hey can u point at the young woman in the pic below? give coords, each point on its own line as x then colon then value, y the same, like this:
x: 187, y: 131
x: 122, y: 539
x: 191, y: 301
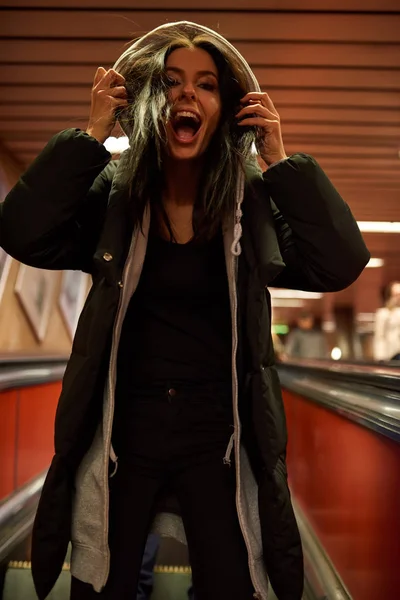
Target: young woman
x: 172, y: 367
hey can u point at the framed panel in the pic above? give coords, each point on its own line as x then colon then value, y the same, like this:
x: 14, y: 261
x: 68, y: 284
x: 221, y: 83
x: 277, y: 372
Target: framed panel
x: 73, y: 292
x: 5, y: 264
x: 35, y: 290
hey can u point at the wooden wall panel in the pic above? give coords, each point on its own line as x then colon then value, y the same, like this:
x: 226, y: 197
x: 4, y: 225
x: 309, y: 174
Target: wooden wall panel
x: 278, y: 76
x: 8, y: 419
x: 16, y: 334
x: 94, y: 52
x: 332, y: 69
x: 252, y: 25
x: 37, y: 406
x: 265, y: 5
x: 289, y: 96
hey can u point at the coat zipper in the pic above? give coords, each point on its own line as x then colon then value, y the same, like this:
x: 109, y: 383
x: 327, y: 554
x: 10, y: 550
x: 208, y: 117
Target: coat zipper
x: 111, y: 393
x: 233, y: 268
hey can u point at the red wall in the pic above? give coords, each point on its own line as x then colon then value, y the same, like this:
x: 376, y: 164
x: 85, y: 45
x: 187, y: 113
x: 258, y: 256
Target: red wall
x: 8, y: 420
x: 346, y: 479
x: 26, y: 434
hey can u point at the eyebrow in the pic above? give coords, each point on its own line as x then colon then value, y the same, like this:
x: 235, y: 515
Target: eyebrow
x: 199, y: 73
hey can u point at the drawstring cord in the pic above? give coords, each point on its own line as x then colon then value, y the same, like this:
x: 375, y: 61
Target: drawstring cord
x: 237, y: 230
x: 114, y: 460
x: 115, y: 469
x: 227, y: 457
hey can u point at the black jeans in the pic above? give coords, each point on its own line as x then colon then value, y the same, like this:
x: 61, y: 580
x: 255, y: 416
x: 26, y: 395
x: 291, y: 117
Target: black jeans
x: 175, y: 439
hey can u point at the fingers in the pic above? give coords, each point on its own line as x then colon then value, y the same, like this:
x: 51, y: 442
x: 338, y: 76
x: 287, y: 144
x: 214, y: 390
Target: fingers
x: 257, y: 109
x: 258, y: 122
x: 99, y: 75
x: 107, y: 79
x: 118, y: 92
x: 262, y: 98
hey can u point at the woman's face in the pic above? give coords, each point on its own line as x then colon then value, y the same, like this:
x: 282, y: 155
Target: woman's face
x: 195, y: 100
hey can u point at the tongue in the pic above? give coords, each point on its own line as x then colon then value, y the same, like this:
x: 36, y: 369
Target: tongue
x: 185, y: 132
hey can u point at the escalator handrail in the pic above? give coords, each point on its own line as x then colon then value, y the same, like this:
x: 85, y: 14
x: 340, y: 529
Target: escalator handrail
x: 17, y: 513
x: 383, y: 375
x: 17, y: 371
x: 374, y: 407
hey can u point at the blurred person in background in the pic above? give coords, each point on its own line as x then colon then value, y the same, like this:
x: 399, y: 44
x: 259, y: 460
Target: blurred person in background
x: 387, y: 326
x: 306, y: 340
x: 279, y: 347
x: 172, y: 379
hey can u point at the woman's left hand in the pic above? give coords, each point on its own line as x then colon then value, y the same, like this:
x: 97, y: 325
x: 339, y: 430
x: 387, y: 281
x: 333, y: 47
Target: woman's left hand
x: 260, y: 112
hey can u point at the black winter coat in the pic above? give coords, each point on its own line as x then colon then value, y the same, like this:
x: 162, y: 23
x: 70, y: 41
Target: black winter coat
x: 65, y: 213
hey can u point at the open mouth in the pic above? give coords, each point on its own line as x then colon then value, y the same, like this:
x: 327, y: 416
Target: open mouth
x: 185, y: 125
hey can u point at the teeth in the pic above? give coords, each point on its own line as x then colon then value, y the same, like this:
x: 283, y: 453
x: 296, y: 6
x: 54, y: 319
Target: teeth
x: 187, y: 114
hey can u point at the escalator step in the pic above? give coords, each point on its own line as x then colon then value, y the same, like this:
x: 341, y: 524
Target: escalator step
x: 170, y: 583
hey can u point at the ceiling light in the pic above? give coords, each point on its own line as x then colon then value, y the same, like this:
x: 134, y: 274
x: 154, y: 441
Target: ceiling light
x: 379, y: 226
x: 375, y: 262
x: 116, y: 145
x: 283, y: 293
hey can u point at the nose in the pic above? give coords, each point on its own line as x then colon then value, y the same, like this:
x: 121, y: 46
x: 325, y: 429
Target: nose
x: 188, y: 91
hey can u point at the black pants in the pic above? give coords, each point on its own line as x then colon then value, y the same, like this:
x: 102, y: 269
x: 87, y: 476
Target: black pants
x: 175, y: 439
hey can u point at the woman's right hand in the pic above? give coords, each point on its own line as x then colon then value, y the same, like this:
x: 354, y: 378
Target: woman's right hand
x: 108, y: 94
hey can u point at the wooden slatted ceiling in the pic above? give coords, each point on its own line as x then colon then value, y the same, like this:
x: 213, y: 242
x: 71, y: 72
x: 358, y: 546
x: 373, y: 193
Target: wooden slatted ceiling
x: 332, y: 68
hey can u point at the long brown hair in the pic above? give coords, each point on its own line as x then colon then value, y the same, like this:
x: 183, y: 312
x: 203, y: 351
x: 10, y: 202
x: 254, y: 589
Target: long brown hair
x: 148, y: 87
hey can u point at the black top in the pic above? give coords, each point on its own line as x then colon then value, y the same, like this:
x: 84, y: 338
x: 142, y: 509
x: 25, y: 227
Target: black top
x: 178, y: 322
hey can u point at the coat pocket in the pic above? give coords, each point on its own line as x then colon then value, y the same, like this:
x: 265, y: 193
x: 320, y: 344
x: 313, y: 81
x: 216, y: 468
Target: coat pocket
x: 268, y: 419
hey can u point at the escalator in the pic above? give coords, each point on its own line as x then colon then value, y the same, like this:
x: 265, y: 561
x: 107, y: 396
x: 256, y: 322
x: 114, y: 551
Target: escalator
x: 343, y: 461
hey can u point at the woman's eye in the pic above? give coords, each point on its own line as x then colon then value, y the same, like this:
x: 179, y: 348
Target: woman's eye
x: 172, y: 82
x: 210, y: 87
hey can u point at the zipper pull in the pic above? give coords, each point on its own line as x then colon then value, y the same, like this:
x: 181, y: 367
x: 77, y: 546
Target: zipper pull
x: 227, y: 457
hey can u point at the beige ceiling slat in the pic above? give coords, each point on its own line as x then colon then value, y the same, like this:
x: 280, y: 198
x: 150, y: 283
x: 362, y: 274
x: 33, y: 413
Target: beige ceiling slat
x: 370, y: 197
x: 329, y: 151
x: 339, y: 129
x: 377, y: 176
x: 44, y: 111
x: 252, y: 26
x: 45, y: 93
x: 277, y: 77
x: 321, y: 54
x: 35, y: 74
x: 27, y: 157
x: 382, y: 242
x: 288, y: 97
x: 329, y: 78
x: 43, y: 128
x: 64, y: 51
x: 368, y: 164
x: 25, y: 146
x: 354, y: 115
x: 341, y: 153
x: 332, y: 97
x: 302, y: 5
x: 261, y: 53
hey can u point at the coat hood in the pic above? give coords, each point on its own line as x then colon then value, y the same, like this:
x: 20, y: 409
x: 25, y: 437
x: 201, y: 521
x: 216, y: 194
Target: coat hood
x: 237, y: 61
x: 239, y: 66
